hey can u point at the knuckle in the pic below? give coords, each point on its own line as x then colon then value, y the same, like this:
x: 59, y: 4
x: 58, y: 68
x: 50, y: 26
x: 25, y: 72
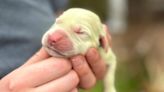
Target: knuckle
x: 16, y: 86
x: 78, y: 61
x: 81, y: 67
x: 83, y: 71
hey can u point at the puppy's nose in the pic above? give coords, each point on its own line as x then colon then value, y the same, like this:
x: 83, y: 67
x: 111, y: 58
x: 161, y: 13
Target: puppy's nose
x: 55, y: 37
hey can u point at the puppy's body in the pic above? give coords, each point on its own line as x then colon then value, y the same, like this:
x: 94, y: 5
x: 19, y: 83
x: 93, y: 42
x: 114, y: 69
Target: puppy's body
x: 74, y: 32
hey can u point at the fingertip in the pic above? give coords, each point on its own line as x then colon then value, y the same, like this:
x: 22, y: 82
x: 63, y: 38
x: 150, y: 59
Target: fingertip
x: 43, y: 53
x: 92, y: 56
x: 88, y: 82
x: 92, y: 52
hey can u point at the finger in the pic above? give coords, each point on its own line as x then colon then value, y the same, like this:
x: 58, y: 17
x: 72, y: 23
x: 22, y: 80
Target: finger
x: 37, y: 57
x: 96, y: 63
x: 108, y: 36
x: 74, y: 90
x: 86, y: 76
x: 107, y: 31
x: 63, y: 84
x: 40, y: 73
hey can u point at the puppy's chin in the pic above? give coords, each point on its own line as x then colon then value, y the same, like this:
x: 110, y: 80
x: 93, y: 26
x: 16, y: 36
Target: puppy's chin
x: 54, y: 53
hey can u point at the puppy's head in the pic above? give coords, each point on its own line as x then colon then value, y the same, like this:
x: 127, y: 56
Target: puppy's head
x: 73, y: 33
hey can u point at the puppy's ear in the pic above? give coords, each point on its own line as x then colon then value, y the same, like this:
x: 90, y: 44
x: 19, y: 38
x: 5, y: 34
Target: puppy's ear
x: 105, y: 41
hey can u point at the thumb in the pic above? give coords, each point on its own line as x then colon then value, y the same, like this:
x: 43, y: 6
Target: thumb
x: 38, y: 56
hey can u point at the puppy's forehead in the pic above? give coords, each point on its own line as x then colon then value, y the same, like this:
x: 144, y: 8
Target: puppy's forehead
x: 77, y: 14
x: 71, y: 19
x: 67, y: 25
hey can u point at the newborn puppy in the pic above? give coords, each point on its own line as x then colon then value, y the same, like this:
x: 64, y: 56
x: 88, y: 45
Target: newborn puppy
x: 74, y: 32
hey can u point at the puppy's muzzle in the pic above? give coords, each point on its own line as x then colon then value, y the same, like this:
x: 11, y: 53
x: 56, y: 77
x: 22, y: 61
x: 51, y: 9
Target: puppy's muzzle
x: 59, y: 41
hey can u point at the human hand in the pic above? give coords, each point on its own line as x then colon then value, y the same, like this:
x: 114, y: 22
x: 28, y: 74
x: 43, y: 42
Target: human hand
x: 41, y: 73
x: 91, y: 67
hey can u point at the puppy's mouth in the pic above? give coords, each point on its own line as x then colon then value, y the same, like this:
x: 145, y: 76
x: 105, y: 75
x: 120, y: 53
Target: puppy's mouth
x: 58, y: 53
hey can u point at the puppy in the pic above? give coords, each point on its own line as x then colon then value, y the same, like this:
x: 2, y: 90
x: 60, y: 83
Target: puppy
x: 74, y: 32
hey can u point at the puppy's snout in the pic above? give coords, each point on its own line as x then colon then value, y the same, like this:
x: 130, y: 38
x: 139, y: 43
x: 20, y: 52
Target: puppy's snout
x: 55, y: 37
x: 60, y: 41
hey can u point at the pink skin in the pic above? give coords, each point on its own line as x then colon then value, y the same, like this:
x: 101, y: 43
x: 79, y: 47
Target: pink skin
x: 59, y: 41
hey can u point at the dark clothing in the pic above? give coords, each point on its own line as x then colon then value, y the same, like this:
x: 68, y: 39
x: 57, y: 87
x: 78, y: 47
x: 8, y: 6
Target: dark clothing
x: 22, y: 24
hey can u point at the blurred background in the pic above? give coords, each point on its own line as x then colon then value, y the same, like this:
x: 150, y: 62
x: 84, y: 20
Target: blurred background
x: 137, y: 30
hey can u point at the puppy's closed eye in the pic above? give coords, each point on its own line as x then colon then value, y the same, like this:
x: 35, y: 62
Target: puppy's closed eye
x: 79, y: 31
